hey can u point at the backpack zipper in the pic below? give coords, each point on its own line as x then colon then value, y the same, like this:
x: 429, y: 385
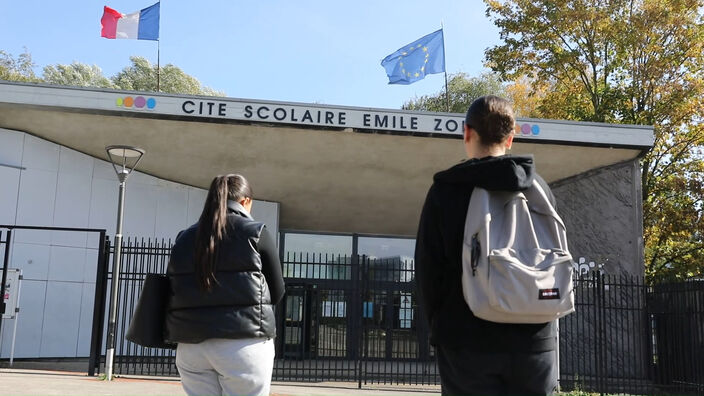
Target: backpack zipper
x: 476, y: 251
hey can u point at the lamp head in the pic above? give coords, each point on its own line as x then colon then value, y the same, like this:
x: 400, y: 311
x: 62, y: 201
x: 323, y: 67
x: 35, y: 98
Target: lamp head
x: 126, y: 157
x: 124, y: 151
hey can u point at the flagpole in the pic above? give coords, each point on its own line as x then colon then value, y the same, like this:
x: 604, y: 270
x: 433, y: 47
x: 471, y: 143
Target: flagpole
x: 158, y: 67
x: 447, y: 92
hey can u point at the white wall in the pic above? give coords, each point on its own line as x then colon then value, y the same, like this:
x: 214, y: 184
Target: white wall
x: 45, y: 184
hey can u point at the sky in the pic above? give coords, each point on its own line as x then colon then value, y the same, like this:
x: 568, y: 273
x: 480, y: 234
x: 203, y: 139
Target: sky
x: 326, y: 52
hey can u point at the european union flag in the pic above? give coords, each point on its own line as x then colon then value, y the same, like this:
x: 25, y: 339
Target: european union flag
x: 412, y: 62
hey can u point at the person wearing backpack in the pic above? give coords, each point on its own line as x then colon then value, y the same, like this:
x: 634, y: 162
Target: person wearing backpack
x: 477, y: 356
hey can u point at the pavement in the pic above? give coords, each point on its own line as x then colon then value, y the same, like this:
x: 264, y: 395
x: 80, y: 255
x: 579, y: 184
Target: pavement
x: 20, y: 382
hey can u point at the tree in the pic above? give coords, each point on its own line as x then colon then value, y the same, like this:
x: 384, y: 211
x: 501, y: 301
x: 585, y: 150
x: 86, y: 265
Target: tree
x: 142, y: 76
x: 463, y: 90
x: 17, y: 69
x: 624, y: 61
x: 526, y: 95
x: 76, y: 74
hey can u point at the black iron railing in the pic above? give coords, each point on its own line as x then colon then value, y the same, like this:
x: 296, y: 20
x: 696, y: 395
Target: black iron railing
x: 139, y: 258
x: 676, y: 318
x: 356, y: 318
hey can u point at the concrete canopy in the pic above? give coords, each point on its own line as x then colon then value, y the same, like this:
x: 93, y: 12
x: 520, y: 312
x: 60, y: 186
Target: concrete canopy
x: 346, y: 175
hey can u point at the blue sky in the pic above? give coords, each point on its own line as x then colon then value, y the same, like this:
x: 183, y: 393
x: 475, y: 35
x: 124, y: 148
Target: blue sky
x: 302, y: 51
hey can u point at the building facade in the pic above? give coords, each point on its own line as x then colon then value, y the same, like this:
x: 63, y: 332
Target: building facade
x: 335, y: 180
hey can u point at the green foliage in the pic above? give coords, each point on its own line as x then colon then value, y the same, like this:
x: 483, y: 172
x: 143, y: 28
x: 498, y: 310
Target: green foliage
x: 139, y: 76
x: 17, y: 69
x: 76, y: 74
x: 463, y: 90
x: 142, y: 76
x: 633, y: 62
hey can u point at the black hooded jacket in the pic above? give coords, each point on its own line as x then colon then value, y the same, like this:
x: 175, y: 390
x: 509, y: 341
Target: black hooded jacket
x: 438, y: 258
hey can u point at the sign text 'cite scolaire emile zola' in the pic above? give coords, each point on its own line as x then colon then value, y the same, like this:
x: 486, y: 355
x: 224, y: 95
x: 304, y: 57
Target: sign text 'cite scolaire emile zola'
x: 338, y: 118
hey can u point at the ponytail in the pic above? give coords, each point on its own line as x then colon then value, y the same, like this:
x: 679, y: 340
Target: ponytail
x: 212, y: 225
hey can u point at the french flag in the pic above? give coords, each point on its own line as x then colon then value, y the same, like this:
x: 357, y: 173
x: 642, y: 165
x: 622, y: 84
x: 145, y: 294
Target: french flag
x: 140, y: 25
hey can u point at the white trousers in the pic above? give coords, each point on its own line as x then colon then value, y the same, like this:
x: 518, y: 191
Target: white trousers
x: 226, y: 367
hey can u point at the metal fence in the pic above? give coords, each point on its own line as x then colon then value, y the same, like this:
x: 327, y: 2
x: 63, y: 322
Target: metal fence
x: 604, y: 344
x: 139, y: 258
x: 676, y: 315
x: 355, y: 318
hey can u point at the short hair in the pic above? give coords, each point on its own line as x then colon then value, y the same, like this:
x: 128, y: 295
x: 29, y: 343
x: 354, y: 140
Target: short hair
x: 492, y: 118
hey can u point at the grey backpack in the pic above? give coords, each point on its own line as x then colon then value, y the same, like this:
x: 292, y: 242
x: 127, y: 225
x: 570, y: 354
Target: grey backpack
x: 515, y: 264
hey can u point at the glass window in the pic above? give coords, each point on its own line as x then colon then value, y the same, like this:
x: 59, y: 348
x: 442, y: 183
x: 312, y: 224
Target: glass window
x: 380, y: 248
x: 318, y: 244
x: 316, y: 256
x: 390, y: 259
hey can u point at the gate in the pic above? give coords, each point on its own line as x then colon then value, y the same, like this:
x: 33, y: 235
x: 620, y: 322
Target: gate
x: 395, y: 345
x: 100, y: 282
x: 351, y: 318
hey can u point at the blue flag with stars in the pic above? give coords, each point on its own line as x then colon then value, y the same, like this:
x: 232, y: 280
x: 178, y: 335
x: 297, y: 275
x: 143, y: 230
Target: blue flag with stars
x: 413, y: 61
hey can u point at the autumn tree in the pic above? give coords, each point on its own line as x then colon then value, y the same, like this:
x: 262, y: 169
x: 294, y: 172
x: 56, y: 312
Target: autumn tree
x: 634, y: 62
x: 526, y: 95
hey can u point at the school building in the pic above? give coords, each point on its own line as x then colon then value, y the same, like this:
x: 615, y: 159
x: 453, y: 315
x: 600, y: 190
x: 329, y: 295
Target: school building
x: 327, y: 179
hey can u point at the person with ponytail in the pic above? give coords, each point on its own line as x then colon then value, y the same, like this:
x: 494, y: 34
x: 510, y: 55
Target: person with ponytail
x: 225, y: 277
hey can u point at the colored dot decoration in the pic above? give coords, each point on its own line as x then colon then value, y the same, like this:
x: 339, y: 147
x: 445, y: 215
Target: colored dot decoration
x: 139, y: 102
x: 527, y: 129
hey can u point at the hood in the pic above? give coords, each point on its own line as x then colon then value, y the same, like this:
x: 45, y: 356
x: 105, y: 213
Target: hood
x: 507, y: 173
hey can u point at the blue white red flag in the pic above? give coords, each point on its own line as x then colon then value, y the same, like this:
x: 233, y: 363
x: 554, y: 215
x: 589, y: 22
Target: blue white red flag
x: 140, y: 25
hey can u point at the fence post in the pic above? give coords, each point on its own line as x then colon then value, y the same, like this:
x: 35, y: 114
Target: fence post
x: 281, y: 306
x: 361, y: 287
x: 594, y: 281
x: 101, y: 278
x: 5, y: 264
x: 354, y: 301
x: 601, y: 329
x: 557, y: 351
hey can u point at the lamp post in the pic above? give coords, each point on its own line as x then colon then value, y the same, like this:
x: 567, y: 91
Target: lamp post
x: 124, y: 159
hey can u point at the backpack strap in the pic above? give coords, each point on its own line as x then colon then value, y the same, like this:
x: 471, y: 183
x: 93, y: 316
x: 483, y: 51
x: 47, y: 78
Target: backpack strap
x: 539, y: 202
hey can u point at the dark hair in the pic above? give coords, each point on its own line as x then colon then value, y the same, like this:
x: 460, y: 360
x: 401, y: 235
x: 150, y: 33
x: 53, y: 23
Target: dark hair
x: 492, y: 118
x: 213, y: 222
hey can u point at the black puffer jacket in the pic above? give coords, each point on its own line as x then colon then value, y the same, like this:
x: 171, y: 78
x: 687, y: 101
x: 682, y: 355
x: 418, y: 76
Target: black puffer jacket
x: 249, y: 282
x: 439, y: 258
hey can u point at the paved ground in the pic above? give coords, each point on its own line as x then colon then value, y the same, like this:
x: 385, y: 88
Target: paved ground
x: 20, y: 382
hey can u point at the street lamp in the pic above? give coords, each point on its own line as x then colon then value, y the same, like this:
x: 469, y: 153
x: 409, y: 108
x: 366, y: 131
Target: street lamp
x: 124, y: 159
